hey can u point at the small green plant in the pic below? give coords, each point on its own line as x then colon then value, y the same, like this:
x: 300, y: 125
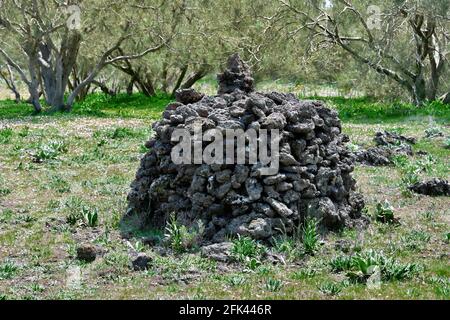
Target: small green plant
x: 273, y: 285
x: 49, y: 151
x: 4, y: 191
x: 245, y: 247
x: 304, y: 274
x: 6, y: 135
x: 341, y: 263
x: 7, y: 270
x: 310, y: 236
x: 6, y: 215
x: 72, y: 218
x: 330, y: 288
x: 428, y: 215
x: 179, y: 238
x: 447, y: 237
x: 392, y: 270
x: 59, y: 184
x: 384, y: 212
x: 353, y: 147
x: 400, y: 161
x: 122, y: 133
x: 427, y: 163
x: 447, y: 143
x: 90, y: 216
x: 138, y: 246
x: 252, y: 264
x: 36, y: 287
x: 24, y: 132
x: 416, y: 240
x: 236, y: 280
x: 433, y: 132
x: 361, y: 266
x: 288, y: 246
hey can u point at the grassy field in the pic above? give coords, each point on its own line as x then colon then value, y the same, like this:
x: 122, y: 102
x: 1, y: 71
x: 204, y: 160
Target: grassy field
x: 54, y: 166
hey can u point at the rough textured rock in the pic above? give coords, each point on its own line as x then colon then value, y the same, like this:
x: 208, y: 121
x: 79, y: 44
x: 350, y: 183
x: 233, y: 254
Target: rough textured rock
x: 219, y: 251
x: 141, y: 262
x: 435, y: 188
x: 187, y: 96
x: 236, y: 77
x: 388, y: 145
x: 87, y: 253
x: 314, y: 178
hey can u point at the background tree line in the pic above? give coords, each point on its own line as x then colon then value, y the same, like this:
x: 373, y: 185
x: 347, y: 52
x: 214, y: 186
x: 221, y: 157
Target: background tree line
x: 62, y: 50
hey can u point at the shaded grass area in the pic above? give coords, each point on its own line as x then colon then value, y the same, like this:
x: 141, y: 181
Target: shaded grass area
x: 96, y: 105
x: 140, y: 106
x: 370, y: 110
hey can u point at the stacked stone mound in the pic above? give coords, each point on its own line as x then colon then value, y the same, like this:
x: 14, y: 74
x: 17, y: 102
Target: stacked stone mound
x: 314, y: 177
x: 434, y: 188
x: 389, y: 144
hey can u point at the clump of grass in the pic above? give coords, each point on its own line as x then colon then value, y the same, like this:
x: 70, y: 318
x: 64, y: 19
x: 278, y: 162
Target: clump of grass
x: 6, y: 135
x: 392, y: 270
x: 384, y: 213
x: 59, y: 184
x: 341, y: 263
x: 310, y: 236
x: 122, y: 133
x: 304, y: 274
x: 433, y: 132
x: 180, y: 238
x: 447, y: 143
x: 353, y: 147
x: 80, y: 213
x: 90, y: 216
x: 245, y: 247
x: 6, y: 215
x: 138, y: 246
x: 7, y: 270
x: 248, y: 251
x: 415, y: 240
x: 287, y: 246
x: 330, y: 288
x: 49, y: 151
x: 4, y: 191
x: 236, y: 280
x: 273, y: 285
x: 361, y: 266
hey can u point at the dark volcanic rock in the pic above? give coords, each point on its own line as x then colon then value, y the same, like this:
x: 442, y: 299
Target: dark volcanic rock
x: 388, y: 145
x: 237, y: 76
x: 87, y: 253
x: 188, y: 96
x: 390, y: 138
x: 141, y: 262
x: 314, y: 178
x: 219, y: 252
x: 435, y: 188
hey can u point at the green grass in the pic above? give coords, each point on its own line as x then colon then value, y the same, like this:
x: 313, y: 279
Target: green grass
x: 78, y: 195
x: 370, y: 110
x: 96, y: 105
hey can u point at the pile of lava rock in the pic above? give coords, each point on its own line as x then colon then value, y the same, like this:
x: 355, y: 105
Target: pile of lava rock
x: 314, y: 178
x: 388, y: 145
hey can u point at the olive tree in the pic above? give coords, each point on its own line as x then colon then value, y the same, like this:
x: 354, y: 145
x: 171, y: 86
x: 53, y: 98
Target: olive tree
x: 405, y: 41
x: 42, y: 40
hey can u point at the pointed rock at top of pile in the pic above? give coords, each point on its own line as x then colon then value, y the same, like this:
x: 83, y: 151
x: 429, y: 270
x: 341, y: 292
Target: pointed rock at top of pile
x: 237, y: 76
